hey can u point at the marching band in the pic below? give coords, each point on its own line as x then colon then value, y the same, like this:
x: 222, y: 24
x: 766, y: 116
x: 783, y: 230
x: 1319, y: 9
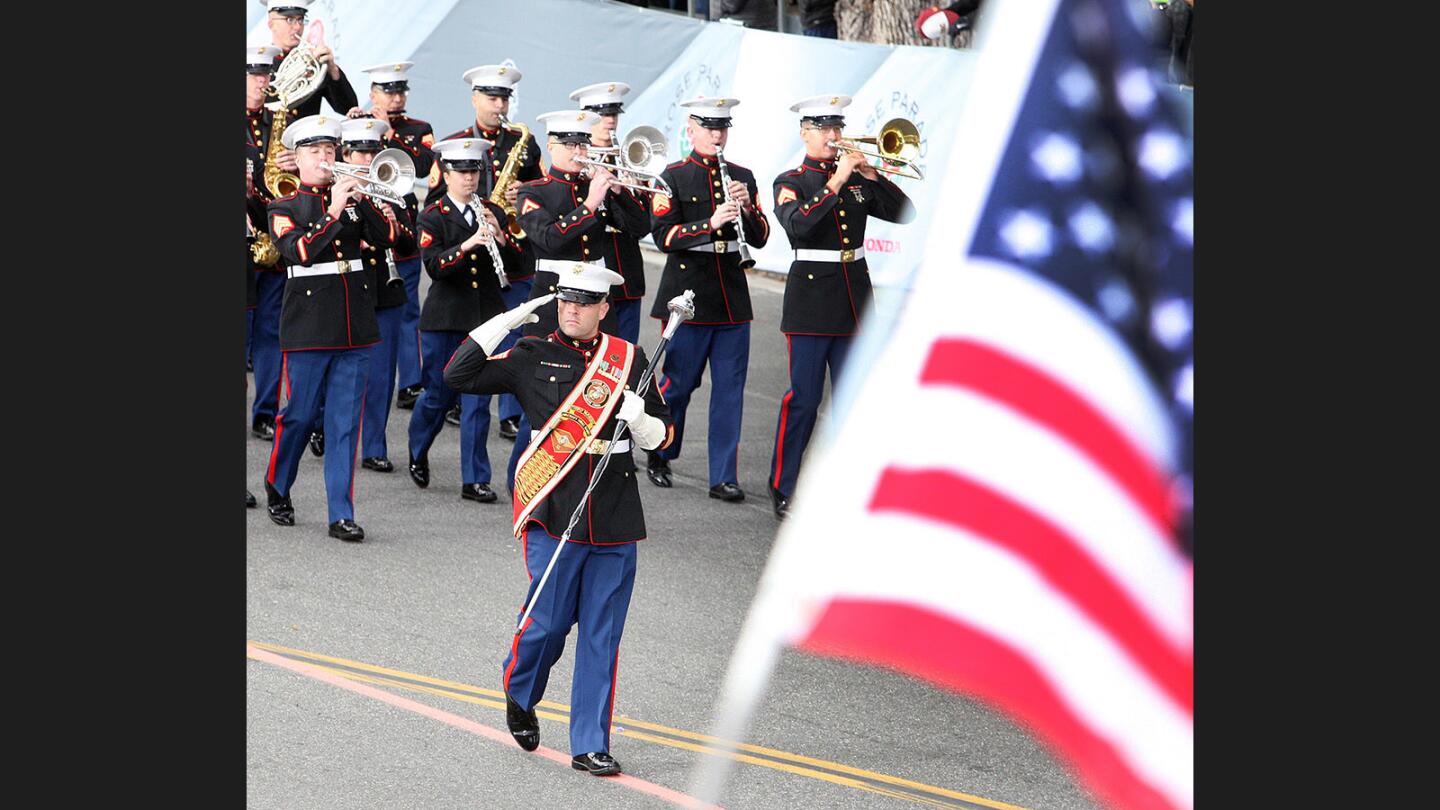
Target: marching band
x: 537, y: 278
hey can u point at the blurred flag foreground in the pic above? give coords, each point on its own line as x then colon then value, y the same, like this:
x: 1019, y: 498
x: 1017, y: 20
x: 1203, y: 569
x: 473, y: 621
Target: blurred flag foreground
x: 1002, y: 506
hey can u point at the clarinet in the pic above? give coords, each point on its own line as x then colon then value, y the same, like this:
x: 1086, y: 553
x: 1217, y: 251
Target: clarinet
x: 490, y: 244
x: 746, y: 262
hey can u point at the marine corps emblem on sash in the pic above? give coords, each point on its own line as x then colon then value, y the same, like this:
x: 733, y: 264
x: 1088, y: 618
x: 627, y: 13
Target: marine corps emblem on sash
x: 597, y: 393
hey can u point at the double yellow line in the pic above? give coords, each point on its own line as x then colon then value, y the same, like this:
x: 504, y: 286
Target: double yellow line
x: 833, y: 772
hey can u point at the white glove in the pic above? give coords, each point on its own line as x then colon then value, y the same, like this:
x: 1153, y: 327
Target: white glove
x: 648, y: 431
x: 490, y: 333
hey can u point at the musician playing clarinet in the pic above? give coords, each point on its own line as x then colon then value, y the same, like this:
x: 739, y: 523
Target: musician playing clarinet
x: 327, y: 319
x: 697, y: 228
x: 572, y: 384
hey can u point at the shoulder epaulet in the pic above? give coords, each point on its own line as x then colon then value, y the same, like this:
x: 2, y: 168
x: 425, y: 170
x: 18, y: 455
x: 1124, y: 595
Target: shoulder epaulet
x: 539, y: 181
x: 798, y: 170
x: 432, y: 206
x: 677, y: 164
x: 464, y: 133
x: 291, y: 195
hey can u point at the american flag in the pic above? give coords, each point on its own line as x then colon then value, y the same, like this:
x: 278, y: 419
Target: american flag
x: 1026, y: 533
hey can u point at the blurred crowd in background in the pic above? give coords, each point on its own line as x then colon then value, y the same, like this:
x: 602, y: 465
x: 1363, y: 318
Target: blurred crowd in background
x: 919, y: 22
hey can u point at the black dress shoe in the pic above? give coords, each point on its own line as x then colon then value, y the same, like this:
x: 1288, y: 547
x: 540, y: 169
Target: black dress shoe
x: 781, y: 503
x: 281, y: 512
x: 510, y: 428
x: 478, y: 492
x: 378, y: 464
x: 407, y: 396
x: 453, y: 415
x: 420, y: 472
x: 657, y: 469
x: 598, y: 763
x: 263, y: 429
x: 347, y: 530
x: 727, y: 492
x: 317, y: 443
x: 524, y: 726
x: 249, y: 499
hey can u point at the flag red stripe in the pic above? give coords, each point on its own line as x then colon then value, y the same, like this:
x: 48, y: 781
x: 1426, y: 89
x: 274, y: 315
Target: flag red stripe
x: 967, y: 504
x: 1031, y: 391
x: 961, y: 657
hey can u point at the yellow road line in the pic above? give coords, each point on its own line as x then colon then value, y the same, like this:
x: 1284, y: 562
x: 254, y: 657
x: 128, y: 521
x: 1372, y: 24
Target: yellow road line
x: 496, y: 699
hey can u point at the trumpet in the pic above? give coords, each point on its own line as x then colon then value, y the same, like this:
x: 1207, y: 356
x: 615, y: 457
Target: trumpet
x: 640, y: 154
x: 897, y: 146
x: 390, y: 176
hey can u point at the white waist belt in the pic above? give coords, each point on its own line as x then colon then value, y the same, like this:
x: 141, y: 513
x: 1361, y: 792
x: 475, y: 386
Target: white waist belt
x: 598, y: 446
x: 562, y: 266
x: 830, y: 255
x: 325, y: 268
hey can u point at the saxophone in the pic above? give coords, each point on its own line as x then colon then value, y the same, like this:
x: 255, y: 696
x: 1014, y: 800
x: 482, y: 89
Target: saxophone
x: 507, y: 175
x: 262, y: 247
x: 280, y: 183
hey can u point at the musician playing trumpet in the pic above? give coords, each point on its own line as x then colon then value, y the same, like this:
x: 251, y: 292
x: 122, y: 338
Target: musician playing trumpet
x: 327, y: 319
x: 697, y: 228
x: 461, y: 237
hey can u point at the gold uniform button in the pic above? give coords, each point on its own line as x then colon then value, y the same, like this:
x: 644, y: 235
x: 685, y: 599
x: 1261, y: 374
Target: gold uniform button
x: 846, y: 240
x: 497, y: 163
x: 339, y: 255
x: 552, y: 378
x: 810, y: 275
x: 474, y: 272
x: 717, y: 195
x: 307, y: 292
x: 552, y: 288
x: 842, y: 227
x: 472, y: 255
x: 475, y: 284
x: 584, y: 238
x: 842, y: 212
x: 372, y: 261
x: 682, y: 265
x: 694, y: 199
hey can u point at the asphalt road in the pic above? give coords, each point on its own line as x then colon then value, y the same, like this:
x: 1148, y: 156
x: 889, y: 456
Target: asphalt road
x: 424, y: 610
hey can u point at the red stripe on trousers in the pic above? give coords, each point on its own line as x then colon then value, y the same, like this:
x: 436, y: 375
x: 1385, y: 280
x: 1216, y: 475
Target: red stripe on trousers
x: 963, y: 658
x: 515, y: 653
x: 784, y: 411
x: 1044, y: 399
x: 1061, y: 559
x: 281, y: 388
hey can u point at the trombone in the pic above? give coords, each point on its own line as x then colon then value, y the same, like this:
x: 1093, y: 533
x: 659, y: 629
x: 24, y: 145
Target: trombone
x: 897, y: 146
x: 641, y: 154
x: 390, y: 176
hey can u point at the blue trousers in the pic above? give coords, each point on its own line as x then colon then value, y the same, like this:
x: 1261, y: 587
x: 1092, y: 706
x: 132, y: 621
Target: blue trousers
x: 338, y: 379
x: 265, y: 343
x: 809, y: 355
x: 508, y: 407
x: 382, y: 382
x: 249, y: 332
x: 429, y: 416
x: 627, y: 315
x: 727, y: 348
x: 591, y: 586
x: 408, y: 351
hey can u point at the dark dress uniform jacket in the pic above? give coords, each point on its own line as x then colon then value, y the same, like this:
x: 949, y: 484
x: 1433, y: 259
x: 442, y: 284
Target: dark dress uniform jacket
x: 466, y: 292
x: 558, y: 226
x: 523, y: 266
x: 621, y: 248
x: 255, y: 212
x: 257, y: 135
x: 540, y: 372
x: 829, y: 298
x: 681, y: 228
x: 378, y: 269
x: 331, y: 311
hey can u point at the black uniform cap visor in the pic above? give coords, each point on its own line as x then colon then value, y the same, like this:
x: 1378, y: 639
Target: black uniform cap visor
x: 290, y: 11
x: 606, y: 109
x: 576, y: 296
x: 712, y: 123
x: 360, y: 146
x: 571, y: 137
x: 314, y: 139
x: 461, y: 165
x: 493, y: 91
x: 824, y: 120
x: 402, y: 86
x: 257, y: 70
